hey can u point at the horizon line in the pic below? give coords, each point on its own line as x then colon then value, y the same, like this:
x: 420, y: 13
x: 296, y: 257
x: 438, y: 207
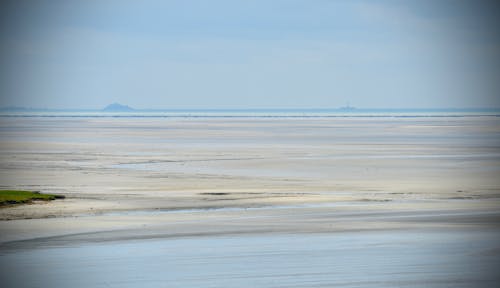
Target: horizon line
x: 342, y: 108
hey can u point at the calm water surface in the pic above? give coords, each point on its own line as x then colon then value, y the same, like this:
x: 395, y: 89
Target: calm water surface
x: 358, y: 259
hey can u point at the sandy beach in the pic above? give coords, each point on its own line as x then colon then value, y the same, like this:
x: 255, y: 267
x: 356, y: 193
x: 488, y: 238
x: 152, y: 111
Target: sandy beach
x: 156, y: 182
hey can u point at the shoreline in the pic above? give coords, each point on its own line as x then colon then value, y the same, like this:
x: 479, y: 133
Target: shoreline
x: 306, y: 218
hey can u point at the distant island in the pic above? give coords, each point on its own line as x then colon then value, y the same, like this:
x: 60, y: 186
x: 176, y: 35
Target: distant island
x: 116, y: 107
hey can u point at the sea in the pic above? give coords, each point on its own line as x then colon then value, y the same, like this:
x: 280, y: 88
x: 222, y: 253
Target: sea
x: 253, y: 113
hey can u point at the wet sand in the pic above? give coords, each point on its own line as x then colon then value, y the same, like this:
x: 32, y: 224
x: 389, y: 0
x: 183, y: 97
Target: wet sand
x: 159, y: 183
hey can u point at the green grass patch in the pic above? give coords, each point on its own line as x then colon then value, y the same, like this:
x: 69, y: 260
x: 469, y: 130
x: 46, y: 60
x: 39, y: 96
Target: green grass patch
x: 11, y: 197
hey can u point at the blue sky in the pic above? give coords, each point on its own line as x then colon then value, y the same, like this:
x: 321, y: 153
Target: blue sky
x: 249, y: 54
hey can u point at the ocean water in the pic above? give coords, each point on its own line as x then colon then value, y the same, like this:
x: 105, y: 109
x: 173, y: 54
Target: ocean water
x: 368, y: 259
x: 264, y: 113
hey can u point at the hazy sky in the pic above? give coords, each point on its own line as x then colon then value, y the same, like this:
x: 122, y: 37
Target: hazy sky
x: 249, y: 54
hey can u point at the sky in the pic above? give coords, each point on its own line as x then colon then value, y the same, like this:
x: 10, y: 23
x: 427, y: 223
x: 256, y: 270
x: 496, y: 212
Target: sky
x: 249, y: 54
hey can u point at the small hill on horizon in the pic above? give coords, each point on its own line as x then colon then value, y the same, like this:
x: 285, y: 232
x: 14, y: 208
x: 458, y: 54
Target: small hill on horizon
x: 117, y: 107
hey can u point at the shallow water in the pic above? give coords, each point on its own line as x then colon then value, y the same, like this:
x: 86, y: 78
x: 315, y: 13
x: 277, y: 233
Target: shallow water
x: 355, y: 259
